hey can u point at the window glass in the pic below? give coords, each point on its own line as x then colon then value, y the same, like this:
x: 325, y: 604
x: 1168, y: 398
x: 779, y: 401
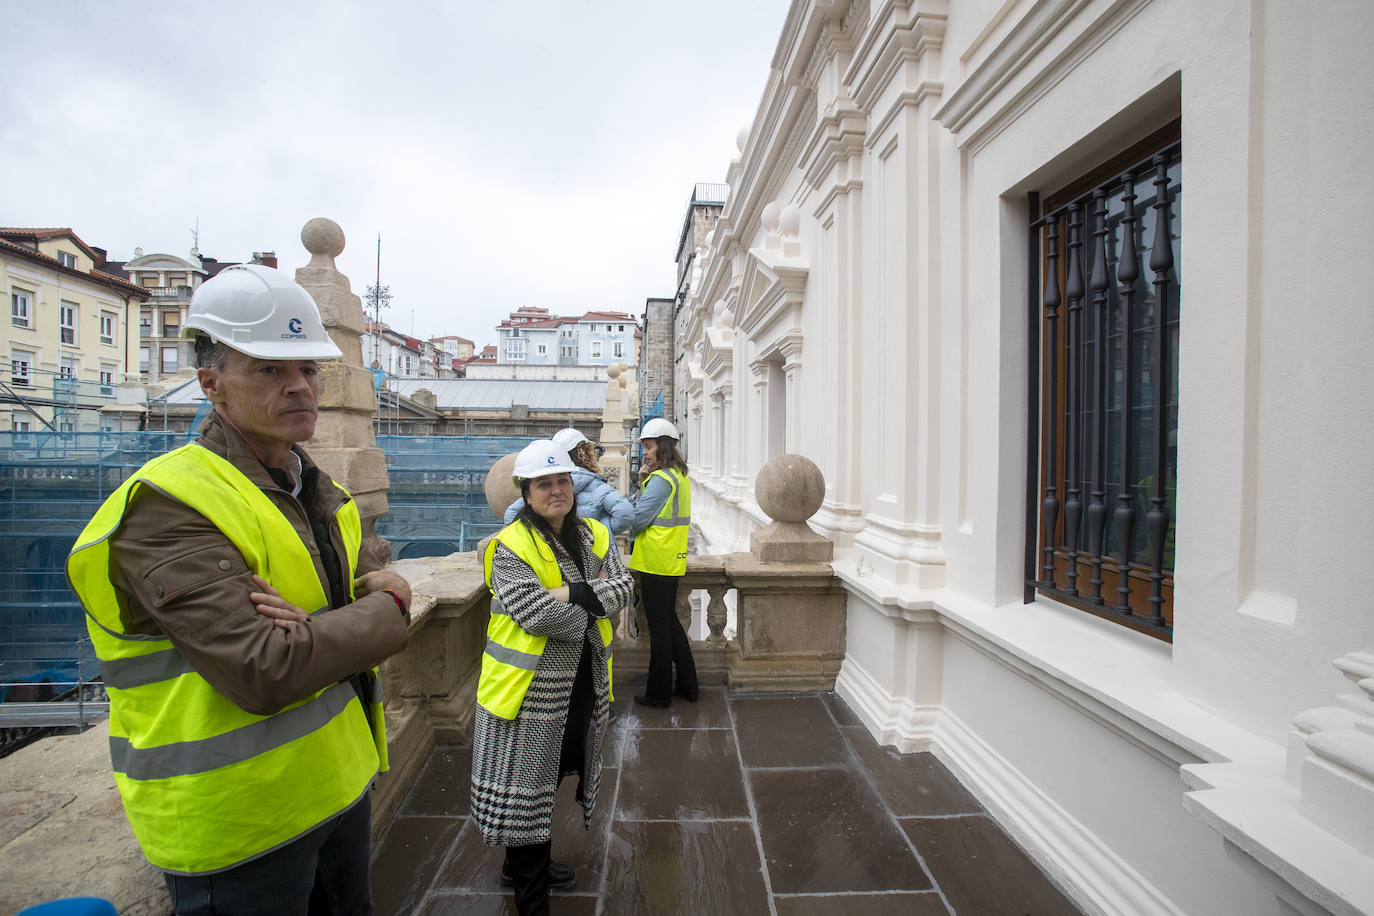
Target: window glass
x: 67, y: 320
x: 20, y: 303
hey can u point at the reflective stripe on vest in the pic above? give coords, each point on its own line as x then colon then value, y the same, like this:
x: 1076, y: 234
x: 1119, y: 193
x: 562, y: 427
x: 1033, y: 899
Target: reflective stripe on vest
x: 512, y: 655
x: 661, y: 548
x: 205, y: 784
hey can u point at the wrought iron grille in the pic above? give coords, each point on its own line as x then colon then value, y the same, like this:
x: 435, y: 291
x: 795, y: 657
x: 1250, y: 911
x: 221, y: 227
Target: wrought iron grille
x: 1104, y: 320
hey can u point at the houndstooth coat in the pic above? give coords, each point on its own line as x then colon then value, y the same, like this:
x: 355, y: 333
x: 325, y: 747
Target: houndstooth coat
x: 515, y: 763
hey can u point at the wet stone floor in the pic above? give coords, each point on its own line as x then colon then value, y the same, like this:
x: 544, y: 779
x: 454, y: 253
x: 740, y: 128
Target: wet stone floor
x: 738, y: 804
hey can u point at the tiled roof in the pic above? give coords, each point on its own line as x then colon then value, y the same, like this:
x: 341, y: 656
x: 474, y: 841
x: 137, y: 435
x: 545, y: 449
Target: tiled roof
x: 606, y: 316
x: 113, y: 282
x: 542, y: 324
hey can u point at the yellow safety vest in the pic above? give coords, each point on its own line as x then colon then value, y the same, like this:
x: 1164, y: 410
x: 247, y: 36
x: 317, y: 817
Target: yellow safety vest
x: 206, y: 785
x: 661, y: 549
x: 512, y: 655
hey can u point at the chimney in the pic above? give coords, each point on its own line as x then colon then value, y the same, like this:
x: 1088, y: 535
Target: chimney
x: 265, y: 258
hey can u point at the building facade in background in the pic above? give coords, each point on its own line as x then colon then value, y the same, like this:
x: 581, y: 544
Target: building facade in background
x: 1092, y: 445
x: 71, y: 339
x: 163, y: 356
x: 656, y: 360
x: 531, y: 336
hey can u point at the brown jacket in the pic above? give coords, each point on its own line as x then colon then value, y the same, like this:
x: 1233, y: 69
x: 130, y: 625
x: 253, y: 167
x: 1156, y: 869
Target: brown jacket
x: 178, y: 574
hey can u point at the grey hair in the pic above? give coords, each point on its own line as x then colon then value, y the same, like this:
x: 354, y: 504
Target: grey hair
x: 210, y: 353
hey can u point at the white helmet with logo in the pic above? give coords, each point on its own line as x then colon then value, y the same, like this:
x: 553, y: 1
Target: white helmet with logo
x: 658, y: 427
x: 260, y: 312
x: 541, y: 458
x: 568, y: 439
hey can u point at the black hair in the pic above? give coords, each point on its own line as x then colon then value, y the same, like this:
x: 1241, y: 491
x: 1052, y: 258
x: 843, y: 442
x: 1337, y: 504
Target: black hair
x: 571, y: 536
x: 210, y: 353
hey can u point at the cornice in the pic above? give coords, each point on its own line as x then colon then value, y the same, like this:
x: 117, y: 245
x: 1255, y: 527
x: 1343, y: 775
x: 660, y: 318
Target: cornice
x: 910, y: 98
x: 784, y: 288
x: 980, y: 95
x: 837, y: 136
x: 886, y: 49
x: 835, y: 190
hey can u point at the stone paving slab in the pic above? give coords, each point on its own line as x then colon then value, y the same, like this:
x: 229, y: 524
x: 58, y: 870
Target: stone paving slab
x: 778, y: 805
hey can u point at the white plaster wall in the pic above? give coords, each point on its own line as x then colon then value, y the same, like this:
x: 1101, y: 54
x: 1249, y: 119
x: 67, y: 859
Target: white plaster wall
x: 913, y: 380
x: 1154, y: 845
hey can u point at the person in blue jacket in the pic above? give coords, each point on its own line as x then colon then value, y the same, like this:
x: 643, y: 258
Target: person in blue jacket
x: 595, y: 497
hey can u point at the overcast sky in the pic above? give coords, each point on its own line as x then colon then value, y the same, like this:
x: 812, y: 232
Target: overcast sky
x: 509, y: 153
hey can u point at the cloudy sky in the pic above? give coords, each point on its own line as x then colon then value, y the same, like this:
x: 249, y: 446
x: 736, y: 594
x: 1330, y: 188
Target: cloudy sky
x: 508, y: 153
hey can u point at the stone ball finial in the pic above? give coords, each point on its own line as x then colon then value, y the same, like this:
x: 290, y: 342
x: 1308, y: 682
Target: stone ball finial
x: 742, y: 139
x: 324, y: 239
x: 613, y: 371
x: 790, y: 488
x: 789, y: 221
x: 499, y: 490
x: 770, y: 216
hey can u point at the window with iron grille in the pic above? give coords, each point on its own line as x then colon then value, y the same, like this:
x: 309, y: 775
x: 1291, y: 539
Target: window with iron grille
x: 1104, y: 330
x: 21, y: 362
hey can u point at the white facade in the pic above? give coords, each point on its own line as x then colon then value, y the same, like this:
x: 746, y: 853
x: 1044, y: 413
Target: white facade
x: 529, y: 346
x: 394, y: 354
x: 606, y: 338
x: 864, y: 301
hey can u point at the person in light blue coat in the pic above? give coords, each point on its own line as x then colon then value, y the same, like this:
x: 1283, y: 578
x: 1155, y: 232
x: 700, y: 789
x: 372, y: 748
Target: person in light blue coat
x: 595, y: 497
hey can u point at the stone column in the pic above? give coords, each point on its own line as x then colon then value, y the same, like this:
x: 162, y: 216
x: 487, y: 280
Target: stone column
x: 344, y: 444
x: 615, y: 463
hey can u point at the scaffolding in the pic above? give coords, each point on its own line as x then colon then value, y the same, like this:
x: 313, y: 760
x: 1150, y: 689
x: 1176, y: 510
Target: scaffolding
x: 51, y: 483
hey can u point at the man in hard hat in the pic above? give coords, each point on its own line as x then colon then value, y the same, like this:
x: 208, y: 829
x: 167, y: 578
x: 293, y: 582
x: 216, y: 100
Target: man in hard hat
x: 239, y: 625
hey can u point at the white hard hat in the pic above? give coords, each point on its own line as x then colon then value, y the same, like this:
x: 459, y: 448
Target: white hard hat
x: 568, y: 439
x: 541, y: 458
x: 260, y: 312
x: 658, y: 427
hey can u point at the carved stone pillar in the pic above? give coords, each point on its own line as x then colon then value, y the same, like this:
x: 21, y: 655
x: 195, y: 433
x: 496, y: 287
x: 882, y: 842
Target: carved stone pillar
x: 344, y: 444
x: 614, y: 461
x: 791, y: 607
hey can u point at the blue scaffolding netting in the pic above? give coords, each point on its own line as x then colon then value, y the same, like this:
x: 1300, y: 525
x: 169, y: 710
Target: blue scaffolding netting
x: 51, y: 483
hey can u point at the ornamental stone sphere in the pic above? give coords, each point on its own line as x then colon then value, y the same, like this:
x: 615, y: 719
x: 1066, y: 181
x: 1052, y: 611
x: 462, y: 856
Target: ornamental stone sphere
x: 323, y: 236
x: 790, y: 488
x: 500, y: 492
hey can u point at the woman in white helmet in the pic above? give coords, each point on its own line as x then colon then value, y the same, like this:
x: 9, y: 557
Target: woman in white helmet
x: 595, y: 497
x: 663, y: 515
x: 544, y: 692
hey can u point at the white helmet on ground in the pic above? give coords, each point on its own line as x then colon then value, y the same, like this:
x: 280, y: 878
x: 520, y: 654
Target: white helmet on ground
x: 568, y: 439
x: 656, y: 427
x: 260, y: 312
x: 541, y: 458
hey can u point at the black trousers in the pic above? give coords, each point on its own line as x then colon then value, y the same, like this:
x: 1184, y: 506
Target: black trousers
x: 529, y: 866
x: 668, y: 644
